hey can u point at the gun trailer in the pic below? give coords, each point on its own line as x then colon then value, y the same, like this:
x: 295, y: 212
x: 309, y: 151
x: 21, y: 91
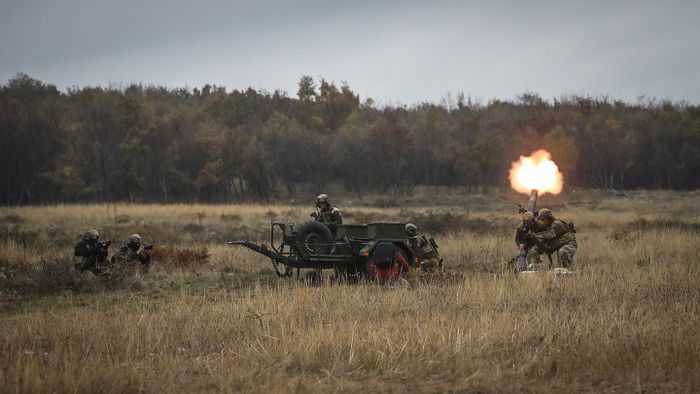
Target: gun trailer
x: 355, y: 252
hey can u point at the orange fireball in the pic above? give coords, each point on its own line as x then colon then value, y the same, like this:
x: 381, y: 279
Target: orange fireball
x: 536, y: 171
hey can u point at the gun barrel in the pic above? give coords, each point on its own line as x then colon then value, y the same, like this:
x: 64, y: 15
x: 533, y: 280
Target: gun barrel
x: 532, y: 202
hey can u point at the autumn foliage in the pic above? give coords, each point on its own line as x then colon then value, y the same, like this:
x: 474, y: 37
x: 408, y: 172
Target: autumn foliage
x: 155, y: 144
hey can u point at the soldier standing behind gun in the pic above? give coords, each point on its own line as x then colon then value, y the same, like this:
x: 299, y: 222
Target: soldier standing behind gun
x: 426, y: 251
x: 327, y: 214
x: 133, y: 250
x: 558, y: 236
x: 90, y: 251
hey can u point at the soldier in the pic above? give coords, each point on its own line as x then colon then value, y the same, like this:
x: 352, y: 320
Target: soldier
x: 133, y: 250
x: 558, y: 236
x: 328, y: 214
x: 90, y: 251
x: 528, y: 226
x: 425, y: 250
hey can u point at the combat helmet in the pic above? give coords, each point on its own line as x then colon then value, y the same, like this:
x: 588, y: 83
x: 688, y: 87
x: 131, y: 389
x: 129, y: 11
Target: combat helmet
x: 135, y: 238
x: 411, y: 229
x: 322, y: 199
x: 528, y: 217
x: 545, y: 213
x: 92, y: 234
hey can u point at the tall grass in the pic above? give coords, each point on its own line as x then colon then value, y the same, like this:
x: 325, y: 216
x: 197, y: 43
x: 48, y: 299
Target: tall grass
x: 628, y: 321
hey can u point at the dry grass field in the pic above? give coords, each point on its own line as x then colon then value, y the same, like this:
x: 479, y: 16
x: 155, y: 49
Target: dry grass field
x: 629, y: 321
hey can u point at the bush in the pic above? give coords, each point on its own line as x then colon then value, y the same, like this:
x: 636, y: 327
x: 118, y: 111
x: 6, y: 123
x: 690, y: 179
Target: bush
x: 12, y: 217
x: 171, y: 258
x: 49, y: 275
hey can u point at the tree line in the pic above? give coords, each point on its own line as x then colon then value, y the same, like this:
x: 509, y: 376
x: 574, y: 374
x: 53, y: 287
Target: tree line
x: 155, y: 144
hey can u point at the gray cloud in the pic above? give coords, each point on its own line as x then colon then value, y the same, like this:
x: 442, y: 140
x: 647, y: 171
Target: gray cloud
x: 391, y: 51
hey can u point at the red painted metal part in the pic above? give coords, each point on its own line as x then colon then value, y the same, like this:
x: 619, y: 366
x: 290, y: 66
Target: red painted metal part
x: 390, y: 274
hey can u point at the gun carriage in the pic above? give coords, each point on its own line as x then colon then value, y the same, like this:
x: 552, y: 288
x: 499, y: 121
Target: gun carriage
x: 355, y: 252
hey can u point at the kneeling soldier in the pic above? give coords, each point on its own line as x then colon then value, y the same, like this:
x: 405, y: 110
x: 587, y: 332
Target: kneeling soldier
x: 89, y: 252
x: 423, y: 248
x: 134, y: 250
x: 558, y: 236
x: 527, y: 247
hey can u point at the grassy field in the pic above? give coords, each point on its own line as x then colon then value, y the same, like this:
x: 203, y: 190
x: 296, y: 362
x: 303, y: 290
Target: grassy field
x: 628, y: 321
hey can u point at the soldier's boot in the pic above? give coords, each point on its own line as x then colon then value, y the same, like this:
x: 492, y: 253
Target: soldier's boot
x: 565, y: 255
x: 534, y: 260
x: 430, y: 264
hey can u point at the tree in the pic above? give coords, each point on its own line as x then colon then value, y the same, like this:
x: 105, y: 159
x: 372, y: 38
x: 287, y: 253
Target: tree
x: 132, y: 150
x: 210, y: 178
x: 562, y: 145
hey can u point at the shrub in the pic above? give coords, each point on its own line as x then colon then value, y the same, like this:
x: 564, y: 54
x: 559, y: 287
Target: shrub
x: 12, y: 217
x: 49, y: 275
x: 178, y: 258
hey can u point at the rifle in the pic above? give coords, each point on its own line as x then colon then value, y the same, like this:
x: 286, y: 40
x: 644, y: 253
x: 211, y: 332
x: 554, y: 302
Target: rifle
x: 434, y: 245
x: 103, y: 250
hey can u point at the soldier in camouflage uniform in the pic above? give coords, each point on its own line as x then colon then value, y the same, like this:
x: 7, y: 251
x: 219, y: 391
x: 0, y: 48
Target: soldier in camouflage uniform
x: 89, y: 252
x: 327, y: 214
x: 428, y: 257
x: 558, y: 236
x: 131, y: 251
x: 528, y: 226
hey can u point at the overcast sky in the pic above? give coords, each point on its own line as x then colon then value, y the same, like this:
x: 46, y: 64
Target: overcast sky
x: 392, y: 51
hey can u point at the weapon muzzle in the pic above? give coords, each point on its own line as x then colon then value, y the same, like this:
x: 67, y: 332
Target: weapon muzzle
x: 532, y: 202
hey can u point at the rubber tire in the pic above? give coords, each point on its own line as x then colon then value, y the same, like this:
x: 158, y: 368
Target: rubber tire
x: 320, y: 232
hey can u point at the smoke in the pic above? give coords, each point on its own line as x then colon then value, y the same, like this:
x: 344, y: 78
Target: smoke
x: 536, y: 171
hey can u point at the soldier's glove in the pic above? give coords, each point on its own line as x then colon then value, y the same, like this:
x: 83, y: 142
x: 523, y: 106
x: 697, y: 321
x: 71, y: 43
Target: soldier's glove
x: 313, y: 214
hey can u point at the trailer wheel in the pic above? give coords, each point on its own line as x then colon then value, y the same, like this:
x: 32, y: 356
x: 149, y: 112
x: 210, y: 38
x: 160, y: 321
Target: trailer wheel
x: 314, y: 237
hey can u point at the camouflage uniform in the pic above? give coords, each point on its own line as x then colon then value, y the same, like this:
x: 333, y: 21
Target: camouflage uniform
x: 529, y: 225
x: 328, y: 214
x: 131, y: 251
x: 558, y: 236
x: 534, y: 258
x: 428, y: 258
x: 89, y: 252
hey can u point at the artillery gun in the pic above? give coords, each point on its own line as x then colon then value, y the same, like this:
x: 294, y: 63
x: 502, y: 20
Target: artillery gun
x: 356, y: 252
